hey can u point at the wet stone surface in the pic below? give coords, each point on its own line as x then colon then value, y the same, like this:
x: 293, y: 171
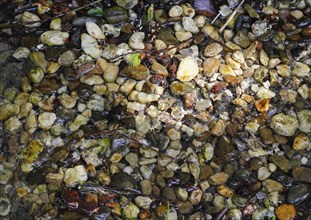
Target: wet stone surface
x: 149, y: 110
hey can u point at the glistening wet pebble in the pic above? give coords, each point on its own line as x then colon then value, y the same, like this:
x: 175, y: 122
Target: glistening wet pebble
x: 149, y: 110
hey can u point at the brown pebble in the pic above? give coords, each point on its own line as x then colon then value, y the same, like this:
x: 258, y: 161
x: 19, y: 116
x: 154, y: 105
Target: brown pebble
x: 190, y: 100
x: 262, y: 105
x: 285, y: 212
x: 306, y: 32
x: 259, y: 46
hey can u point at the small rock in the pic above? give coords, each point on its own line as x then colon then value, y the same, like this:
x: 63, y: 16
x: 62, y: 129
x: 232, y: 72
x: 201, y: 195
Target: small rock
x: 54, y: 38
x: 285, y: 212
x: 138, y: 73
x: 78, y: 121
x: 302, y: 174
x: 301, y: 69
x: 5, y: 206
x: 259, y: 28
x: 30, y: 20
x: 90, y: 46
x: 131, y: 211
x: 212, y: 50
x: 189, y: 25
x: 263, y: 57
x: 183, y: 35
x: 226, y: 70
x: 298, y: 193
x: 219, y: 128
x: 225, y: 191
x: 115, y: 14
x: 136, y: 41
x: 143, y: 202
x: 21, y: 53
x: 210, y: 66
x: 302, y: 142
x: 281, y: 162
x: 169, y: 193
x: 241, y: 39
x: 304, y: 118
x: 46, y: 120
x: 262, y: 105
x: 127, y: 4
x: 75, y: 176
x: 196, y: 196
x: 284, y: 124
x: 263, y: 173
x: 269, y: 10
x: 272, y: 185
x: 36, y: 75
x: 185, y: 207
x: 219, y: 178
x: 175, y: 11
x: 264, y: 93
x: 122, y: 180
x: 94, y: 30
x: 187, y: 69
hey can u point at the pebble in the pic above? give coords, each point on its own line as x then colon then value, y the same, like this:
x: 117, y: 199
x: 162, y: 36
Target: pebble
x: 226, y: 70
x: 94, y: 30
x: 90, y: 46
x: 143, y: 202
x: 5, y: 206
x: 219, y: 128
x: 181, y: 194
x: 136, y: 41
x: 30, y: 20
x: 54, y: 38
x: 175, y: 11
x: 225, y: 191
x: 218, y: 178
x: 264, y: 93
x: 298, y: 193
x: 195, y: 197
x: 66, y: 100
x: 75, y: 176
x: 302, y: 174
x: 211, y: 66
x: 272, y: 185
x: 187, y: 70
x: 263, y: 173
x: 301, y: 69
x: 185, y: 207
x: 212, y: 50
x: 183, y: 35
x: 46, y: 120
x: 189, y: 25
x: 241, y: 39
x: 285, y: 211
x: 21, y: 53
x: 130, y: 211
x: 304, y: 118
x: 78, y: 121
x: 302, y: 142
x: 284, y: 124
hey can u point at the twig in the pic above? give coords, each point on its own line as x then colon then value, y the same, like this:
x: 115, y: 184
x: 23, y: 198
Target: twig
x: 152, y: 51
x: 231, y: 16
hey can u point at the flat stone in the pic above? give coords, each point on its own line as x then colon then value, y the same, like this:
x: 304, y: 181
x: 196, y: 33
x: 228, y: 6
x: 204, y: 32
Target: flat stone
x: 218, y: 178
x: 211, y: 66
x: 212, y: 50
x: 188, y: 69
x: 301, y: 69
